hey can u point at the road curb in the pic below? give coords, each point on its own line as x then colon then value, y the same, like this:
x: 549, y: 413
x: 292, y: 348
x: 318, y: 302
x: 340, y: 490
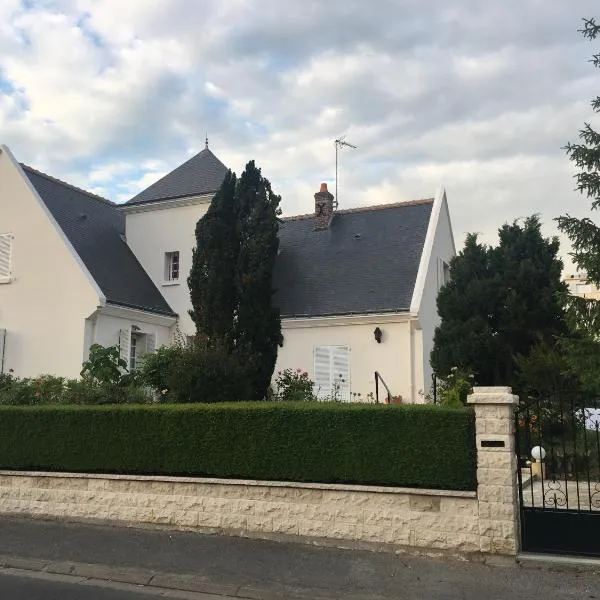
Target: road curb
x: 94, y: 574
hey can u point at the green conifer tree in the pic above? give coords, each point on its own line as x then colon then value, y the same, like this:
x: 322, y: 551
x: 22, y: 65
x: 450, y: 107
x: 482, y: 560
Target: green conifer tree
x: 212, y: 277
x: 258, y: 324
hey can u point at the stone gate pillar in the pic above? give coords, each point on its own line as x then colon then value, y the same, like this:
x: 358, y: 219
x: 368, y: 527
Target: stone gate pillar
x: 497, y: 488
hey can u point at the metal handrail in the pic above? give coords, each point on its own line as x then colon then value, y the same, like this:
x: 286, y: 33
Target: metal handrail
x: 379, y: 378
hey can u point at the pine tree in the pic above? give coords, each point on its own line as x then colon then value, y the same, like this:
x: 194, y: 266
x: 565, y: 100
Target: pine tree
x: 258, y: 324
x: 584, y: 233
x: 500, y: 303
x: 212, y: 277
x: 582, y: 347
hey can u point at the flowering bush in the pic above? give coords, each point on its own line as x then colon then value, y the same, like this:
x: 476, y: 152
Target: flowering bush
x: 294, y: 386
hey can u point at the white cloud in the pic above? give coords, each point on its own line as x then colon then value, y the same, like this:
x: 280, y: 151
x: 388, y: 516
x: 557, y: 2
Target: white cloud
x: 477, y: 96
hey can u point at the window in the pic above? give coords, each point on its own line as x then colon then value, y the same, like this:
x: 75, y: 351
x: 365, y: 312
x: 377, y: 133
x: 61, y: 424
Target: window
x: 332, y: 372
x: 133, y: 346
x: 443, y: 273
x: 133, y: 352
x: 5, y: 257
x: 172, y: 266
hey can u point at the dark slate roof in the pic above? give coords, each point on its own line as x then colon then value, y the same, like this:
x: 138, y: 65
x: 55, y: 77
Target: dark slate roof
x: 366, y: 262
x: 201, y: 174
x: 96, y: 229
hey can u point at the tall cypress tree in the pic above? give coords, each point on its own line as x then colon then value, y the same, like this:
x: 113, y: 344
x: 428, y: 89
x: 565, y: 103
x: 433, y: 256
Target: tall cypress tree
x: 231, y: 280
x: 212, y: 277
x: 257, y: 325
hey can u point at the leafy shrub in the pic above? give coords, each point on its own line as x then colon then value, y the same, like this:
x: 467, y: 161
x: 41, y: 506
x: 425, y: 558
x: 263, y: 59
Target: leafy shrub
x: 294, y: 386
x: 453, y: 390
x: 86, y: 391
x: 45, y: 389
x: 104, y: 365
x: 159, y: 366
x: 407, y: 445
x: 203, y: 373
x: 50, y: 390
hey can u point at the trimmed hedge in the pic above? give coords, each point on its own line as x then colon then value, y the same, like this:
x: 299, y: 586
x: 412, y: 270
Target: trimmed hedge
x: 417, y: 446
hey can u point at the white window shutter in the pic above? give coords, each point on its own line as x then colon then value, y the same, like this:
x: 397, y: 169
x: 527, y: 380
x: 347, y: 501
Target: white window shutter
x: 323, y: 371
x: 150, y: 343
x: 2, y: 347
x: 5, y: 257
x: 124, y: 344
x: 341, y: 371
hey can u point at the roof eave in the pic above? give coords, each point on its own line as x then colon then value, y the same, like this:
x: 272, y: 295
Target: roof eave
x: 147, y: 205
x: 147, y: 309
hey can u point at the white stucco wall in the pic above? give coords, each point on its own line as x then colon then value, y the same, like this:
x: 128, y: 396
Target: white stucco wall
x: 44, y: 309
x: 151, y: 233
x: 392, y: 358
x: 442, y: 247
x: 109, y: 321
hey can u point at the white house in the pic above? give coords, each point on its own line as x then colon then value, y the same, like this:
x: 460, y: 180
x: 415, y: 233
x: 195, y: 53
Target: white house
x: 356, y: 288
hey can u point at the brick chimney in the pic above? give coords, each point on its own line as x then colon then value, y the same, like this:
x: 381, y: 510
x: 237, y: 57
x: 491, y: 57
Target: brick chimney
x: 323, y: 207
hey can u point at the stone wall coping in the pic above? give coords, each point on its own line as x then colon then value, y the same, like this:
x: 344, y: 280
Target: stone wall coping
x: 249, y: 482
x: 492, y: 395
x: 492, y: 390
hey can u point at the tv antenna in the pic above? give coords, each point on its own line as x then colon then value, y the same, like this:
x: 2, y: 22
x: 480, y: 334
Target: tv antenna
x: 339, y: 144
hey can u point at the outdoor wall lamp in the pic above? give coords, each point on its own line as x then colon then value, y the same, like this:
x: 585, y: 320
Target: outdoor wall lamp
x: 378, y: 335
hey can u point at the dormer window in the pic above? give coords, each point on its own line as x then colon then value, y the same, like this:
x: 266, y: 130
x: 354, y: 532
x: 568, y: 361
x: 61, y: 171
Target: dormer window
x: 172, y: 266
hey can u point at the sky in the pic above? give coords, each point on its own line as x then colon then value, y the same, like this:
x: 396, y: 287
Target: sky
x: 478, y: 97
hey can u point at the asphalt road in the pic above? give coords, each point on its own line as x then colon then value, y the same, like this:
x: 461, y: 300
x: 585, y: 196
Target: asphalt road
x: 280, y: 570
x: 29, y: 588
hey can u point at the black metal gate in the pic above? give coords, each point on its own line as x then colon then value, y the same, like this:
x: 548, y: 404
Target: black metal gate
x: 558, y: 447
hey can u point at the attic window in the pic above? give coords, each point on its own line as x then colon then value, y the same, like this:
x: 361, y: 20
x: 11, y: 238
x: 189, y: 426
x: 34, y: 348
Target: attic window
x: 5, y: 257
x: 172, y: 266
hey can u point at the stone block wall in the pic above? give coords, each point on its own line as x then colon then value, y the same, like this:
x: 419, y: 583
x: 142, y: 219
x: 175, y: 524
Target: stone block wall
x: 426, y: 519
x: 464, y: 523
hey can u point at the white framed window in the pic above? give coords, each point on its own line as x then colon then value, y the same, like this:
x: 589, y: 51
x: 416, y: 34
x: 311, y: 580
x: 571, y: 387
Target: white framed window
x: 172, y: 266
x: 134, y: 345
x: 6, y: 240
x: 133, y: 352
x: 332, y: 372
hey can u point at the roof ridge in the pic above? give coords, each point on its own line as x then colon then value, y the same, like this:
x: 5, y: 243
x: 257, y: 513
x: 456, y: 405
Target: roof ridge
x: 67, y: 185
x: 371, y: 207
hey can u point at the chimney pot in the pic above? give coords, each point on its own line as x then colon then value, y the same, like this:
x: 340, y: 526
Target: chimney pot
x: 323, y: 208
